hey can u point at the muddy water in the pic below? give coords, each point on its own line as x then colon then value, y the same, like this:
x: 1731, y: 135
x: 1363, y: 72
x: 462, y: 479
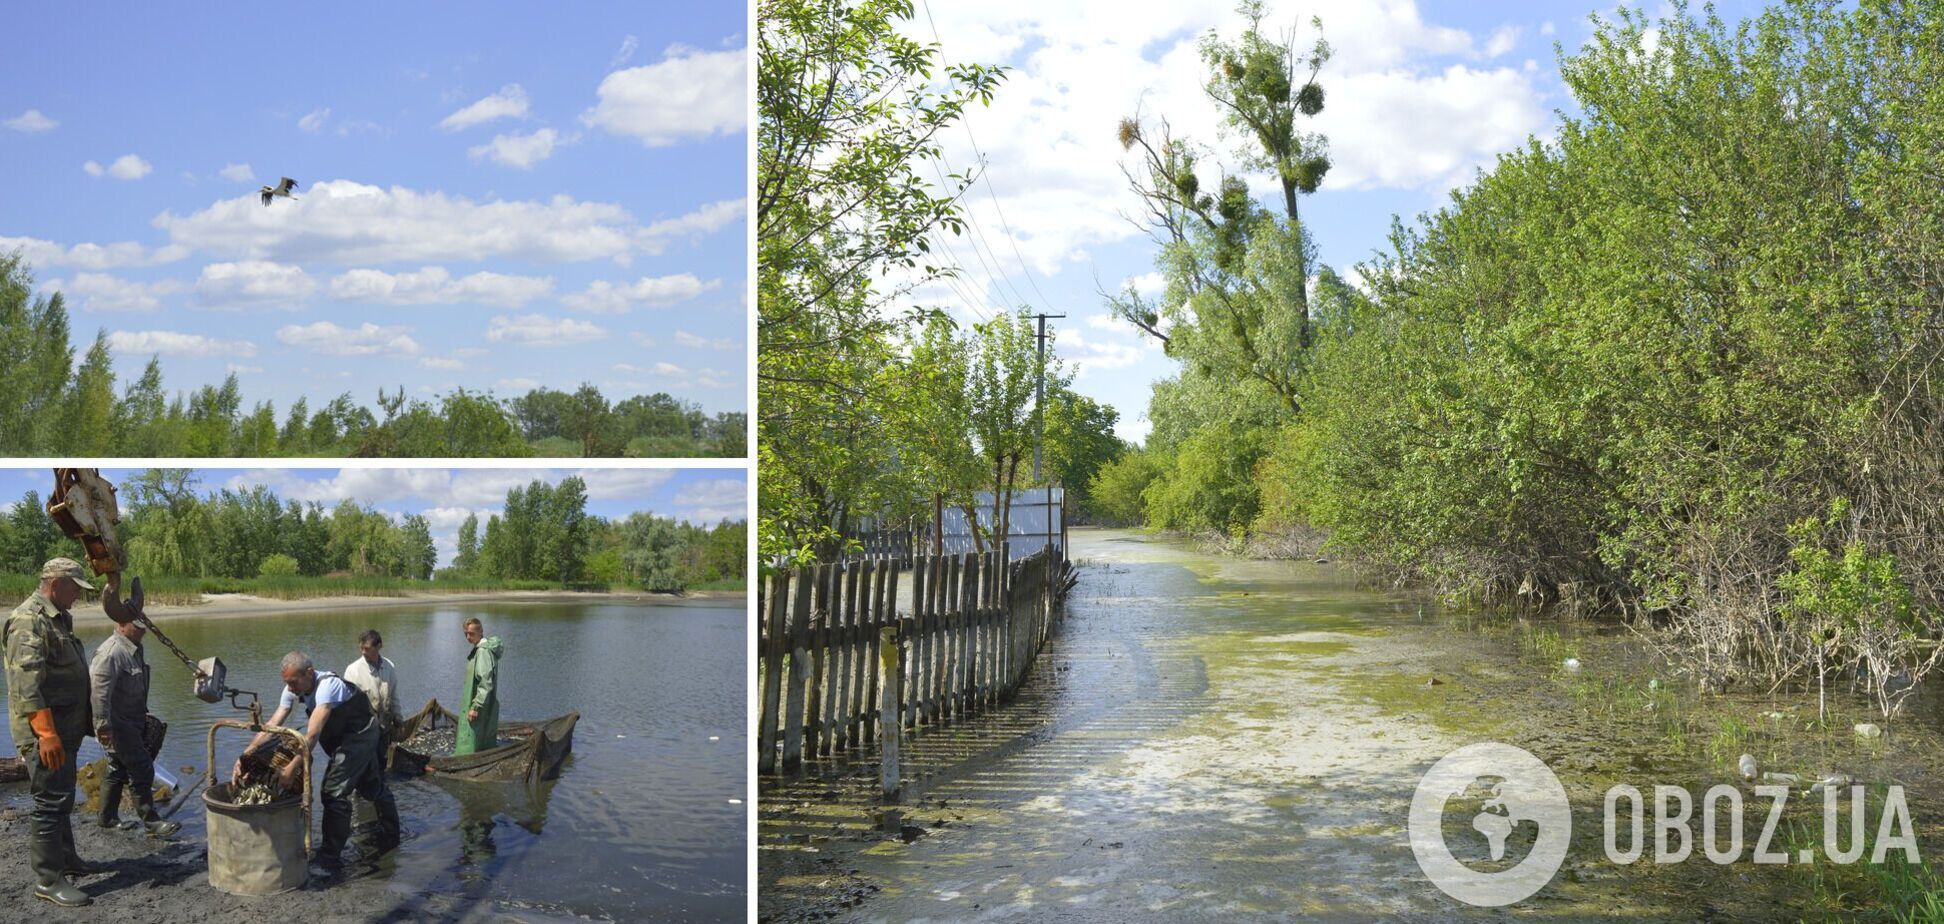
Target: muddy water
x: 1219, y: 737
x: 639, y: 824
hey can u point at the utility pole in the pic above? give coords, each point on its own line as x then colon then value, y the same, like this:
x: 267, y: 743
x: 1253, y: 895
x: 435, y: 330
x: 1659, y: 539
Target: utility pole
x: 1039, y: 402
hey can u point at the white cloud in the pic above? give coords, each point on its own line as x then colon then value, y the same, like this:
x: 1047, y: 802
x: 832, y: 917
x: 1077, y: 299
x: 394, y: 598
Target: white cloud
x: 541, y: 330
x: 1408, y: 107
x: 441, y: 362
x: 340, y: 221
x: 32, y: 122
x: 313, y: 121
x: 666, y: 369
x: 102, y: 292
x: 237, y: 369
x: 704, y: 220
x: 521, y: 383
x: 509, y: 103
x: 125, y: 167
x: 648, y: 291
x: 43, y: 254
x: 366, y: 339
x: 712, y: 501
x: 253, y: 284
x: 626, y: 51
x: 171, y: 343
x: 1504, y: 39
x: 434, y: 285
x: 694, y: 342
x: 689, y: 94
x: 237, y: 173
x: 1116, y: 350
x: 521, y: 151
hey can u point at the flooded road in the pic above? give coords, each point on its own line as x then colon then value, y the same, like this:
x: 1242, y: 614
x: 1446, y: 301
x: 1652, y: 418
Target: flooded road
x: 640, y: 823
x: 1217, y: 737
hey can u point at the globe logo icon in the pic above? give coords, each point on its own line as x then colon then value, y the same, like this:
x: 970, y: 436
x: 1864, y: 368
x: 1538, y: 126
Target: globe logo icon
x: 1515, y: 799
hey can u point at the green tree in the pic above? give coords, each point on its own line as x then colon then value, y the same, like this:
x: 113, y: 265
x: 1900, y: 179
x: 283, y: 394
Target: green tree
x: 467, y: 558
x: 88, y: 422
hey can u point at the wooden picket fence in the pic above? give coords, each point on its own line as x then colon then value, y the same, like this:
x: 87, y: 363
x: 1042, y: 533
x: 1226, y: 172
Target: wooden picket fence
x: 841, y: 658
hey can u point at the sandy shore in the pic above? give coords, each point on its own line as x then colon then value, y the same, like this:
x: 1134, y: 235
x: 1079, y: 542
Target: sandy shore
x: 224, y: 605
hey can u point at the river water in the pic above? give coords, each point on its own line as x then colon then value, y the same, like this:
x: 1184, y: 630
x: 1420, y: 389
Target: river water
x: 1211, y: 738
x: 641, y: 821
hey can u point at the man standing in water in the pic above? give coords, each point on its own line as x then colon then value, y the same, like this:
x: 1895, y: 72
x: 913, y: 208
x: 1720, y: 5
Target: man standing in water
x: 119, y: 678
x: 47, y: 711
x: 480, y: 730
x: 375, y: 675
x: 343, y: 724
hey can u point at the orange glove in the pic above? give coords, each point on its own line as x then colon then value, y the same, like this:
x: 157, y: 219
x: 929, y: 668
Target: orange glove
x: 52, y: 755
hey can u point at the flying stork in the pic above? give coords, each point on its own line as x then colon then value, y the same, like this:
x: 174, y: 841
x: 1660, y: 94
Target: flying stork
x: 281, y: 189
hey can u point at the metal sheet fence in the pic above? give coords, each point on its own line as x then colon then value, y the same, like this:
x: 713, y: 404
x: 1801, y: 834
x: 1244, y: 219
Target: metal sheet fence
x: 829, y: 682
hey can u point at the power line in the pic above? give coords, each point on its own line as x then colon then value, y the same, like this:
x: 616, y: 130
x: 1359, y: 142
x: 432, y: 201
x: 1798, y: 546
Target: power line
x: 1012, y: 239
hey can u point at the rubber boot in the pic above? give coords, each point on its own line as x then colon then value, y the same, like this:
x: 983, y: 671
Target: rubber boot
x: 152, y: 822
x: 111, y: 799
x: 72, y: 864
x: 60, y: 891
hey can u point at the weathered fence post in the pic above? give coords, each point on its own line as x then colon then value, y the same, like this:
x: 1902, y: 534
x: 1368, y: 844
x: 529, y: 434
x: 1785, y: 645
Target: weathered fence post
x: 968, y: 647
x: 799, y: 672
x: 888, y: 653
x: 779, y: 607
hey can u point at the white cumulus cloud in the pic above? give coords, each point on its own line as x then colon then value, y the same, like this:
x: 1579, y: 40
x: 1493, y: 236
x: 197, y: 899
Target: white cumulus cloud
x: 434, y: 285
x: 32, y: 122
x: 688, y: 94
x: 648, y: 291
x: 366, y: 339
x: 41, y: 254
x: 313, y: 121
x: 340, y: 221
x: 521, y: 151
x: 102, y: 292
x: 237, y: 173
x: 509, y: 103
x: 125, y: 167
x: 253, y: 284
x: 172, y: 343
x: 541, y: 330
x: 694, y: 342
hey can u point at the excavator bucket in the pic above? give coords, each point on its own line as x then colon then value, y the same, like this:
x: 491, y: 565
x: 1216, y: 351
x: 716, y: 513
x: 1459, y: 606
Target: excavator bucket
x: 83, y: 505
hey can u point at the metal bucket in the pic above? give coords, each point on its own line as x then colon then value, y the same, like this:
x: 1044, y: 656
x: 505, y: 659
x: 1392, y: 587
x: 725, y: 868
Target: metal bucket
x: 256, y: 849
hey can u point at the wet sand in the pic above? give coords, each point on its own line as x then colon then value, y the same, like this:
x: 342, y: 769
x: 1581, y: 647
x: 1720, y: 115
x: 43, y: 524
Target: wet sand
x: 220, y: 605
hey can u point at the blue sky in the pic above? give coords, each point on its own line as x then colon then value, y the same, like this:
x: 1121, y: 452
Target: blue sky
x: 493, y: 196
x: 1419, y: 95
x: 446, y: 496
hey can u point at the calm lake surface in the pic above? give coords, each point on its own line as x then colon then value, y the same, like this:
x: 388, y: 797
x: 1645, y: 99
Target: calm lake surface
x: 640, y: 822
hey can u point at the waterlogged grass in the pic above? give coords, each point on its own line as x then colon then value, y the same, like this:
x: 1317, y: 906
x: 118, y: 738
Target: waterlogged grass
x: 1894, y: 890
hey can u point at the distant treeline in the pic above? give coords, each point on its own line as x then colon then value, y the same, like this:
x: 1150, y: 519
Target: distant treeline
x: 171, y: 529
x: 51, y: 406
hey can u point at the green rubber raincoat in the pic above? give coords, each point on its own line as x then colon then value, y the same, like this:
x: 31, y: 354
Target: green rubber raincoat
x: 482, y: 693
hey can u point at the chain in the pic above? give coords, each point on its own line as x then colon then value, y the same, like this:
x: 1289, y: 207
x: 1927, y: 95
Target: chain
x: 157, y: 632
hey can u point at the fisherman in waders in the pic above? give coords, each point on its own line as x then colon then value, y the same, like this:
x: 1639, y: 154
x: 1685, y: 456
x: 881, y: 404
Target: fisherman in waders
x: 119, y: 678
x: 48, y: 713
x: 480, y: 730
x: 343, y: 724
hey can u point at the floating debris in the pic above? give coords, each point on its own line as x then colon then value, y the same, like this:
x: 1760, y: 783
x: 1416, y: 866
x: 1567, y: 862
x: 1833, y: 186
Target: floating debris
x: 1747, y: 765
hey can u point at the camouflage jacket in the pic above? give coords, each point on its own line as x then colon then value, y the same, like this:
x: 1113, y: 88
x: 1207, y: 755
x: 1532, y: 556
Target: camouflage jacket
x: 47, y: 668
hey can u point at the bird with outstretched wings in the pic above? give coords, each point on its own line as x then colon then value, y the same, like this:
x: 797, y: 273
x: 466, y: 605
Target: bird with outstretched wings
x: 281, y: 189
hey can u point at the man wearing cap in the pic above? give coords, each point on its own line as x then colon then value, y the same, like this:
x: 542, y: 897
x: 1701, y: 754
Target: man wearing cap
x: 119, y: 679
x: 49, y: 713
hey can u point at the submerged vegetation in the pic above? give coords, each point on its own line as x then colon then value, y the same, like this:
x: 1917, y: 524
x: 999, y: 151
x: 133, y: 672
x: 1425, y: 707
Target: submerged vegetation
x: 1680, y: 361
x: 50, y: 406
